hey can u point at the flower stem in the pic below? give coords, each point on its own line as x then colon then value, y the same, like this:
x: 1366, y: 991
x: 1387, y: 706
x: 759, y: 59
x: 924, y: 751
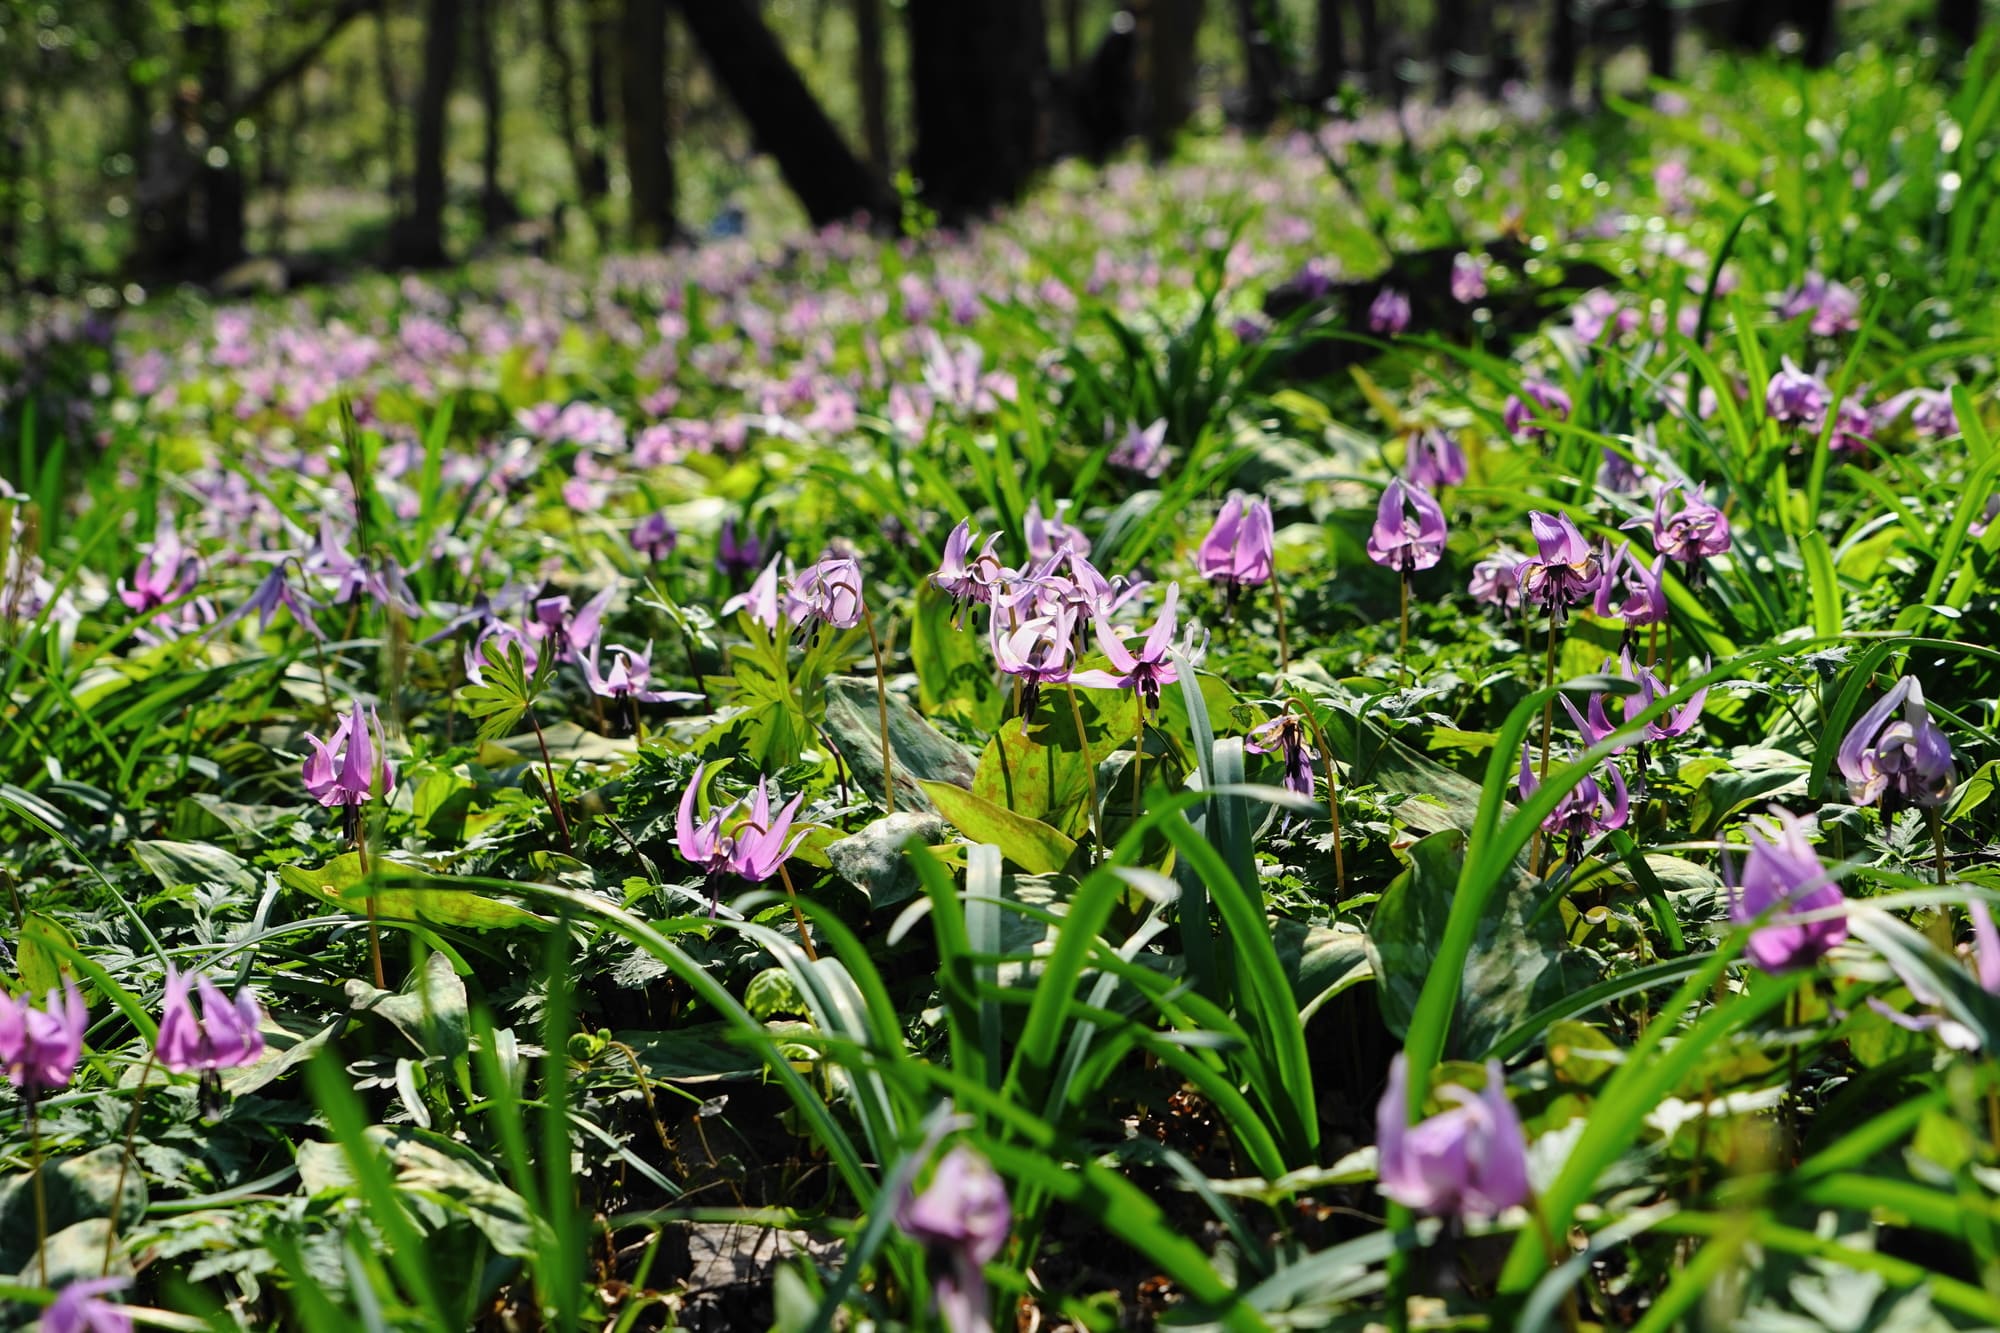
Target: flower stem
x: 368, y: 899
x: 1572, y: 1317
x: 1089, y: 768
x: 881, y: 713
x: 1937, y: 844
x: 1332, y: 807
x: 1548, y: 727
x: 555, y: 797
x: 125, y: 1161
x: 1138, y: 756
x: 41, y: 1195
x: 1284, y: 644
x: 798, y: 916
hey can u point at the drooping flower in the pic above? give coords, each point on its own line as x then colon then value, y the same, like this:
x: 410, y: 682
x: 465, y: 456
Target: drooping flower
x: 1468, y: 1161
x: 827, y: 592
x: 1048, y: 535
x: 1468, y: 278
x: 760, y: 843
x: 1782, y: 874
x: 1565, y: 570
x: 1835, y: 307
x: 1409, y: 531
x: 1585, y: 810
x: 274, y: 590
x: 225, y: 1034
x: 1796, y: 398
x: 1690, y: 534
x: 1142, y: 452
x: 764, y: 601
x: 1932, y: 416
x: 1985, y: 953
x: 1897, y: 760
x: 40, y: 1047
x: 80, y: 1308
x: 346, y: 770
x: 1037, y: 650
x: 1595, y: 725
x: 571, y: 634
x: 703, y: 845
x: 1527, y: 422
x: 1630, y: 590
x: 1496, y: 580
x: 1853, y: 427
x: 1145, y: 672
x: 1432, y: 460
x: 963, y: 1217
x: 1389, y: 312
x: 963, y: 576
x: 655, y: 536
x: 1238, y: 551
x: 1285, y: 736
x: 630, y: 677
x: 168, y: 572
x: 737, y: 550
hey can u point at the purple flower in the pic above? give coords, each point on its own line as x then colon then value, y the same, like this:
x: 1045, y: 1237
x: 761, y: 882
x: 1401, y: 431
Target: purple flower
x: 1585, y: 809
x: 1782, y: 874
x: 1904, y: 761
x: 1795, y: 398
x: 1985, y: 969
x: 828, y: 592
x: 1468, y: 278
x: 1496, y: 580
x: 1469, y: 1161
x: 345, y: 770
x: 1433, y: 460
x: 737, y: 553
x: 1630, y: 590
x: 275, y: 591
x: 763, y: 602
x: 1835, y: 307
x: 1037, y: 650
x: 490, y: 648
x: 226, y: 1033
x: 704, y: 844
x: 1389, y: 312
x: 1853, y: 427
x: 964, y: 1217
x: 1285, y: 736
x: 1049, y: 537
x: 1690, y: 534
x: 655, y: 536
x: 571, y: 633
x: 79, y: 1309
x: 630, y: 677
x: 1565, y: 572
x: 1618, y: 473
x: 1238, y: 550
x: 1142, y: 452
x: 759, y: 845
x: 1409, y: 529
x: 963, y: 576
x: 1595, y: 726
x: 167, y: 573
x: 40, y: 1047
x: 1145, y: 673
x: 1549, y: 403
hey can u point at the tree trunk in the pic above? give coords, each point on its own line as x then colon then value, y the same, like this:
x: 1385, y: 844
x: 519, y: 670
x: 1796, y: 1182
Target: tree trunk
x: 600, y: 31
x: 1263, y: 68
x: 220, y: 184
x: 559, y: 89
x: 13, y: 171
x: 392, y: 115
x: 1448, y: 41
x: 1368, y: 32
x: 1329, y: 48
x: 1562, y: 54
x: 1659, y: 21
x: 422, y: 240
x: 785, y: 119
x: 980, y: 70
x: 1959, y: 21
x: 871, y: 69
x: 496, y: 208
x: 642, y: 93
x: 1169, y: 49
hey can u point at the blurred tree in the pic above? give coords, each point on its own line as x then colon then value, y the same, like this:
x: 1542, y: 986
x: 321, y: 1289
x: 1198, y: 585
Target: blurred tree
x: 420, y: 240
x: 392, y: 112
x: 1168, y: 31
x: 1959, y: 20
x: 1263, y: 63
x: 496, y: 206
x: 980, y: 71
x: 786, y: 120
x: 1329, y: 51
x: 1562, y: 54
x: 871, y: 72
x: 1659, y: 25
x: 642, y: 95
x: 559, y: 90
x: 600, y: 32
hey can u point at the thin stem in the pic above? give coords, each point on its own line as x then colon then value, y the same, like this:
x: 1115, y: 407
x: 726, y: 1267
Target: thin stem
x: 41, y: 1195
x: 1937, y: 845
x: 1572, y: 1317
x: 1993, y: 1117
x: 555, y: 798
x: 1403, y: 631
x: 1138, y: 757
x: 368, y: 899
x: 798, y: 916
x: 1089, y: 768
x: 839, y: 765
x: 1284, y: 643
x: 1548, y: 727
x: 125, y: 1161
x: 638, y: 723
x: 1652, y: 645
x: 1332, y: 807
x: 882, y: 713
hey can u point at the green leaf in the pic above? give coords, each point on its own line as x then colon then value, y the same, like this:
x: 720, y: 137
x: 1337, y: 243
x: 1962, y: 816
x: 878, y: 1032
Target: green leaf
x: 920, y: 752
x: 1028, y: 843
x: 195, y: 863
x: 41, y: 966
x: 444, y: 903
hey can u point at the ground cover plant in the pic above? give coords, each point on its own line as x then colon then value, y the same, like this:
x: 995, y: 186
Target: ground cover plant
x: 1243, y: 746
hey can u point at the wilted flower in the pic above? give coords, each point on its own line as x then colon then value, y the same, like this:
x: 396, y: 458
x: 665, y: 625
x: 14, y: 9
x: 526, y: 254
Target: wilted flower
x: 759, y: 845
x: 1783, y: 872
x: 1585, y: 810
x: 1468, y: 278
x: 1564, y: 572
x: 1904, y: 761
x: 346, y: 770
x: 1238, y: 550
x: 1146, y: 672
x: 1389, y: 312
x: 1409, y: 529
x: 655, y: 536
x: 1142, y: 452
x: 1795, y: 398
x: 828, y: 591
x: 963, y: 1216
x: 1285, y: 736
x: 225, y: 1034
x: 40, y: 1047
x: 1469, y: 1161
x: 1432, y: 459
x: 1523, y: 421
x: 78, y: 1308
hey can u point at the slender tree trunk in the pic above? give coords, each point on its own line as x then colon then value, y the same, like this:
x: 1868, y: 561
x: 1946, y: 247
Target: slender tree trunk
x: 1173, y: 26
x: 1659, y: 21
x: 642, y: 75
x: 785, y: 119
x: 221, y: 183
x: 1329, y: 49
x: 496, y: 207
x: 1263, y: 67
x: 1368, y: 32
x: 12, y: 173
x: 1959, y: 21
x: 1562, y: 54
x: 600, y: 31
x: 559, y: 90
x: 392, y: 114
x: 1448, y: 39
x: 980, y: 70
x: 422, y: 241
x: 871, y: 69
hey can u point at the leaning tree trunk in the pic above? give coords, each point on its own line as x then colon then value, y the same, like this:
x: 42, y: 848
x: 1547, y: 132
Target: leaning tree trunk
x: 787, y: 121
x: 1263, y: 68
x: 642, y: 95
x: 980, y: 70
x: 1169, y: 57
x: 1562, y: 53
x: 871, y: 74
x: 422, y: 238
